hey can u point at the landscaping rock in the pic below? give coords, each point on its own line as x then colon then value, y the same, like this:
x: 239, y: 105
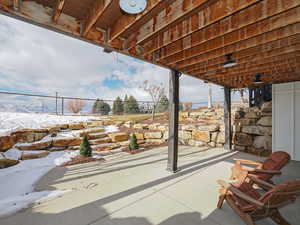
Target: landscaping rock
x: 65, y: 142
x: 100, y: 141
x: 195, y: 143
x: 140, y: 126
x: 264, y: 142
x: 265, y: 121
x: 155, y: 141
x: 96, y: 136
x: 76, y: 126
x: 6, y: 142
x: 251, y: 115
x: 185, y: 135
x: 128, y: 124
x: 242, y: 139
x: 245, y: 122
x: 119, y: 137
x: 266, y: 107
x: 201, y: 135
x: 257, y: 130
x: 5, y: 163
x: 211, y: 128
x: 153, y: 135
x: 139, y: 136
x: 239, y: 148
x: 35, y: 146
x: 34, y: 156
x: 188, y: 127
x: 89, y: 131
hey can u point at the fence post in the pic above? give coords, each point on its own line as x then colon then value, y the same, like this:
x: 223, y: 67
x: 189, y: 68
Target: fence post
x: 56, y: 102
x: 62, y: 105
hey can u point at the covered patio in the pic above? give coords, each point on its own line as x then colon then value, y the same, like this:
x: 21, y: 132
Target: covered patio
x: 137, y: 190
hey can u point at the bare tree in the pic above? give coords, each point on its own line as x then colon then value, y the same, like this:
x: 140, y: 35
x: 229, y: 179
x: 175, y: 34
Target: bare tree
x: 188, y: 106
x: 75, y: 105
x: 242, y: 92
x: 156, y: 92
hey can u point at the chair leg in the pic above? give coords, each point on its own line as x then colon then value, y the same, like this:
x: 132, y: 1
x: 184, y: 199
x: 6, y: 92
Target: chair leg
x: 222, y: 197
x: 245, y: 217
x: 278, y: 218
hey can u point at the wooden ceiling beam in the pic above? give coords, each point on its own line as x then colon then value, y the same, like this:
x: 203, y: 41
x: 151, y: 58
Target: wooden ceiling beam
x: 263, y: 39
x: 285, y: 61
x: 243, y: 25
x: 128, y: 22
x: 58, y: 10
x: 287, y: 18
x: 260, y: 52
x: 193, y: 21
x: 95, y: 12
x: 17, y: 4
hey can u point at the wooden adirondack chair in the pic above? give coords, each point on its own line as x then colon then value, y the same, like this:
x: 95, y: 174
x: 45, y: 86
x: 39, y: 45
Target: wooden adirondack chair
x: 251, y: 206
x: 263, y: 170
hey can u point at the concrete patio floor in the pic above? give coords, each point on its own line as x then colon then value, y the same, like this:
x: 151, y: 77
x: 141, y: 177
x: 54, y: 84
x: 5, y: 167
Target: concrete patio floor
x: 137, y: 190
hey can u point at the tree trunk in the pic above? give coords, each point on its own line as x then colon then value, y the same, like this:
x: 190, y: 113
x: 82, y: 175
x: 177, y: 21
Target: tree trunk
x: 153, y: 112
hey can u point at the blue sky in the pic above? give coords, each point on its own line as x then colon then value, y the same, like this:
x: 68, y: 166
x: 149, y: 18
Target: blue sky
x: 35, y: 60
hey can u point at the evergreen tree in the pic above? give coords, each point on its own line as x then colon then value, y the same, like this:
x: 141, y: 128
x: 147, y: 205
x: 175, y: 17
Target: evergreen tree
x: 181, y: 106
x: 101, y: 107
x: 133, y: 105
x: 163, y: 104
x: 118, y: 107
x: 85, y: 147
x: 126, y: 105
x: 95, y: 106
x: 133, y: 145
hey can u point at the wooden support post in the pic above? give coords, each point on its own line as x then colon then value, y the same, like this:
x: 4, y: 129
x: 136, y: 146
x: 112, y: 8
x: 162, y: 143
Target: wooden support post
x: 173, y: 121
x: 227, y: 117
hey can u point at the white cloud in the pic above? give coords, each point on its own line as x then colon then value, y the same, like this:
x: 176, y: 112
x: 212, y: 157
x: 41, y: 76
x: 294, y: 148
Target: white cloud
x: 37, y: 60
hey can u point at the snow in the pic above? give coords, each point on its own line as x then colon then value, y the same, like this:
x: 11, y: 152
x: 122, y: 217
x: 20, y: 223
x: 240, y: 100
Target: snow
x: 13, y: 154
x: 16, y: 197
x: 66, y: 157
x: 111, y: 129
x: 10, y: 122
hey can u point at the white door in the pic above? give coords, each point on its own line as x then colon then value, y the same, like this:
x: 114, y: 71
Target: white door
x: 286, y: 118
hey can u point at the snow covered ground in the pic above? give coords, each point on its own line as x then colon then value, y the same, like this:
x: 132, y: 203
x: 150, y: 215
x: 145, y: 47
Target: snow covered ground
x: 17, y: 182
x: 10, y: 122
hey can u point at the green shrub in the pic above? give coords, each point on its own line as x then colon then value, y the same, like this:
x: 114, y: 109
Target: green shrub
x: 133, y: 143
x: 85, y: 147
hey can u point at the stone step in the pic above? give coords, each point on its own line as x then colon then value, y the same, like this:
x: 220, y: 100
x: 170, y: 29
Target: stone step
x: 105, y: 147
x: 100, y: 141
x: 42, y: 145
x: 89, y: 131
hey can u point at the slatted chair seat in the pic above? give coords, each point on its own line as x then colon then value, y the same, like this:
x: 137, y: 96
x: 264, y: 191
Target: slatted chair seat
x: 250, y: 205
x: 263, y: 170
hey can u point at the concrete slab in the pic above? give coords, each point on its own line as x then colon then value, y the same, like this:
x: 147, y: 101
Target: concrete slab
x: 137, y: 190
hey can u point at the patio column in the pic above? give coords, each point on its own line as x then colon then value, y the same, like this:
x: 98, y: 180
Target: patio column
x: 173, y: 121
x: 227, y: 117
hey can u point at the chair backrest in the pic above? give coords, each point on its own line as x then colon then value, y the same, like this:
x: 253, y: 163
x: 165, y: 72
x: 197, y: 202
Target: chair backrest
x: 276, y: 161
x: 281, y: 195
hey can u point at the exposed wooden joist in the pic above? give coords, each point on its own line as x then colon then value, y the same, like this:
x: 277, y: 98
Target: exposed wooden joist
x: 94, y: 14
x: 129, y: 22
x: 260, y: 53
x: 58, y: 10
x: 198, y: 15
x: 207, y: 54
x: 269, y: 49
x: 254, y: 31
x: 234, y: 28
x: 286, y: 60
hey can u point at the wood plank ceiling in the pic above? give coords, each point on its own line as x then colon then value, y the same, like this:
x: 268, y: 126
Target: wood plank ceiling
x: 191, y: 36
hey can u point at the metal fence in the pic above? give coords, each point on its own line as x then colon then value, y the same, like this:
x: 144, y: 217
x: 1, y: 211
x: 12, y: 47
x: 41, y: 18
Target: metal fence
x: 63, y: 105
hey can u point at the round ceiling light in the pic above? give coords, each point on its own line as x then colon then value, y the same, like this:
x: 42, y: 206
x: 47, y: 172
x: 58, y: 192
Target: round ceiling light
x: 133, y: 6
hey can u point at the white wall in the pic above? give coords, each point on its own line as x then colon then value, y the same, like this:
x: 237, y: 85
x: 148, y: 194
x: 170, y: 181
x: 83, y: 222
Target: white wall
x: 286, y: 118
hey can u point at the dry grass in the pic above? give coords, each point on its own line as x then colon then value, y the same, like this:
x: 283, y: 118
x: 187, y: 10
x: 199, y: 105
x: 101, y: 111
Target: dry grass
x: 135, y: 118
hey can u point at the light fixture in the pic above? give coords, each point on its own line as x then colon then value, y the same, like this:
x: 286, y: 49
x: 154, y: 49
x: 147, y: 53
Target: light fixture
x: 107, y: 50
x: 229, y: 61
x: 133, y: 6
x: 258, y: 79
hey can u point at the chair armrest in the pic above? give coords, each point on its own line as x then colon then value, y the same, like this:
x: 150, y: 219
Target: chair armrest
x: 249, y: 162
x: 261, y: 182
x: 240, y: 194
x: 272, y: 172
